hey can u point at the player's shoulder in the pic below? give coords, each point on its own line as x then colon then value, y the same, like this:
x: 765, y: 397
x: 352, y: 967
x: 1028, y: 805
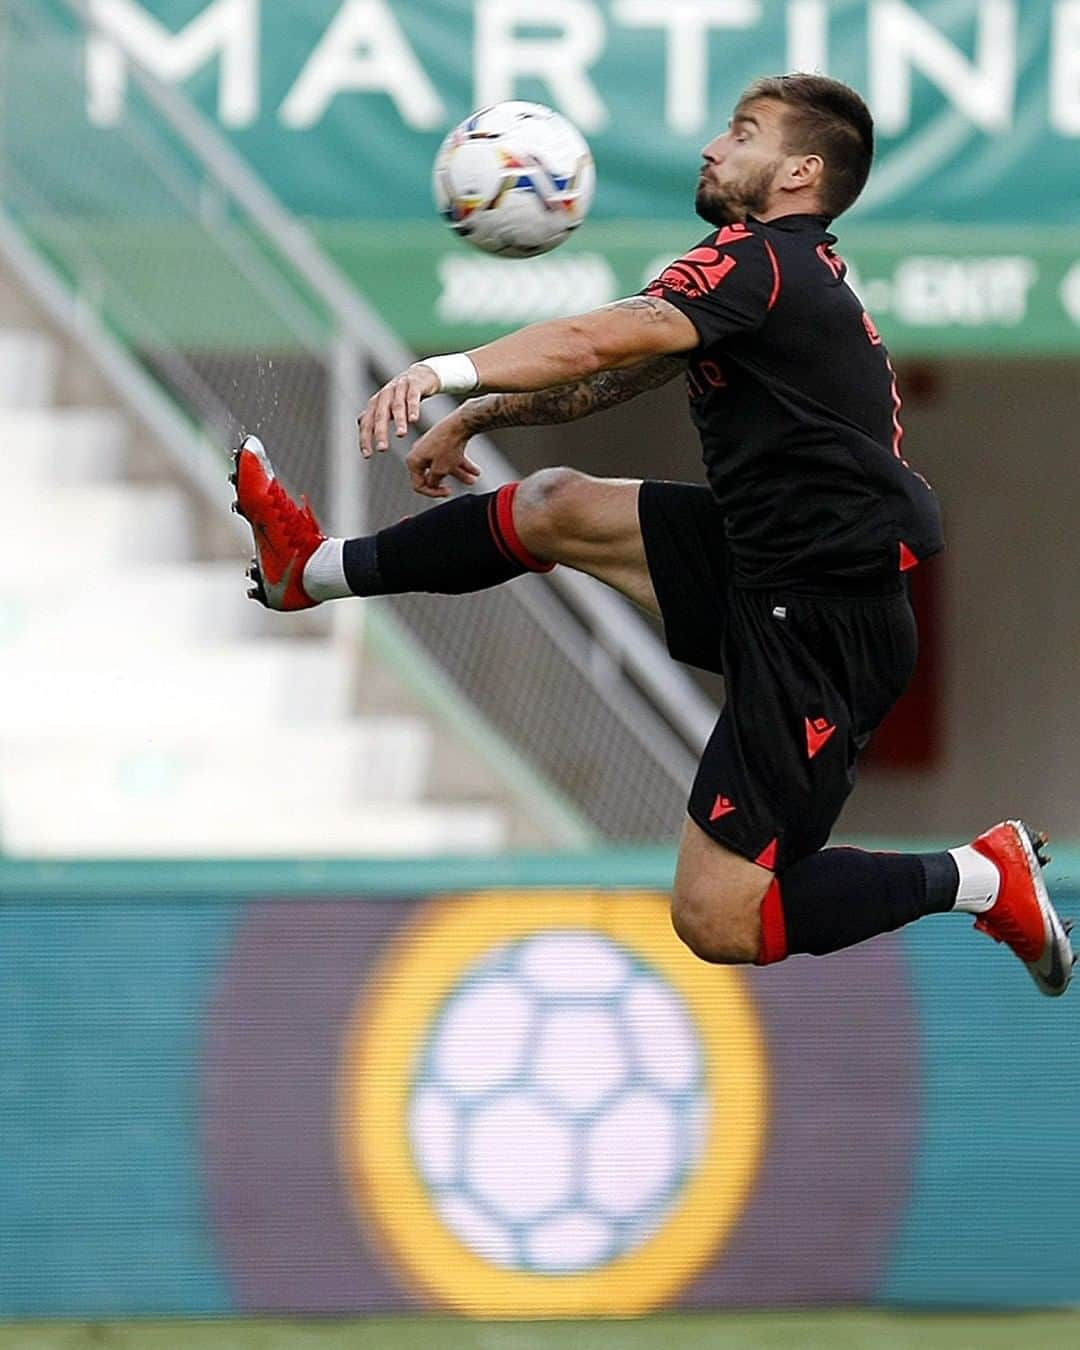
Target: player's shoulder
x: 745, y: 239
x: 746, y: 243
x: 741, y: 231
x: 730, y: 257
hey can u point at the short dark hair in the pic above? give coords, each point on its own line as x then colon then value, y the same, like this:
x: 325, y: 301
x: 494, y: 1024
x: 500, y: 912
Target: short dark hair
x: 824, y: 117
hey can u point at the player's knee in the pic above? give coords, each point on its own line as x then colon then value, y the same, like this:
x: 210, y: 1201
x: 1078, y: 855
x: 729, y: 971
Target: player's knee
x: 548, y: 508
x: 719, y: 928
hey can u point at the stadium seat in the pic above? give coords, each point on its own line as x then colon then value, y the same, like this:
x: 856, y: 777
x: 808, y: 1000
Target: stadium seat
x: 146, y: 706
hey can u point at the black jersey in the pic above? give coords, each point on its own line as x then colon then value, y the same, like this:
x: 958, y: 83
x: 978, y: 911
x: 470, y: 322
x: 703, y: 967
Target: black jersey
x: 793, y: 393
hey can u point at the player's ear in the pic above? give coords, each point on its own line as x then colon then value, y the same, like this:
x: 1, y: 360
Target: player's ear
x: 805, y: 170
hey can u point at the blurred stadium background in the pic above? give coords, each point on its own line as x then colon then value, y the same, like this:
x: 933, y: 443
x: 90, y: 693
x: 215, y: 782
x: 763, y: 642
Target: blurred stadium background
x: 335, y: 974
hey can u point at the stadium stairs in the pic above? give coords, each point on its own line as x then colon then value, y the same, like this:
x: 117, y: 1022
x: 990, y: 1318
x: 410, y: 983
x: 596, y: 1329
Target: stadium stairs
x: 147, y: 707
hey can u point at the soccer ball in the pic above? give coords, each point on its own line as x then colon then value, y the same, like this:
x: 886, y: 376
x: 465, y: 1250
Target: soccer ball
x: 514, y: 179
x: 560, y: 1104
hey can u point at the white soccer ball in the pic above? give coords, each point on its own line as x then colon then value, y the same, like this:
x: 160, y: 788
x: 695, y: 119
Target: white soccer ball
x: 560, y: 1105
x: 515, y: 179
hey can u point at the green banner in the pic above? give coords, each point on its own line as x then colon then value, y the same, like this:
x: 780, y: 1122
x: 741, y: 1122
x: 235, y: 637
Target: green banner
x: 342, y: 103
x: 967, y: 239
x: 932, y: 289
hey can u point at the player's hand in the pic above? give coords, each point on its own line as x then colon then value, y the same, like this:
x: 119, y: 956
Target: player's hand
x: 398, y: 401
x: 440, y: 454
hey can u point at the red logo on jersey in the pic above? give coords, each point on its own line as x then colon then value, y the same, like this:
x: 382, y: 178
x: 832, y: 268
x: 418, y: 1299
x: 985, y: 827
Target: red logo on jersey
x: 703, y: 376
x: 673, y: 280
x: 731, y: 234
x: 695, y: 274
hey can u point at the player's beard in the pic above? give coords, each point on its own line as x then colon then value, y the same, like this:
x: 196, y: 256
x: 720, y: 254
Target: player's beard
x: 733, y: 202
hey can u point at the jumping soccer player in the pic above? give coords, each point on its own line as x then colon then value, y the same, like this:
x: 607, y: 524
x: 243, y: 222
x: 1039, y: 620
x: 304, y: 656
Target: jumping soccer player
x: 785, y: 573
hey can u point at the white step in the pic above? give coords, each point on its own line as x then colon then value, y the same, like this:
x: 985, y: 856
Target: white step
x: 376, y: 760
x: 96, y: 525
x: 27, y: 369
x: 162, y: 688
x: 42, y: 821
x: 60, y: 445
x: 60, y: 610
x: 137, y: 715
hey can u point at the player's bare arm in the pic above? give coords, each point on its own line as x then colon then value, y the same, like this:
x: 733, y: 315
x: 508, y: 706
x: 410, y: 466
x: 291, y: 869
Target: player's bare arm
x: 542, y: 356
x: 569, y: 402
x: 440, y: 452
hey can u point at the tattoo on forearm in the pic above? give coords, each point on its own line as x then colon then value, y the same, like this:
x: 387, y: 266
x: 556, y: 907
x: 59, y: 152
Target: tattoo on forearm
x: 568, y: 402
x: 653, y: 305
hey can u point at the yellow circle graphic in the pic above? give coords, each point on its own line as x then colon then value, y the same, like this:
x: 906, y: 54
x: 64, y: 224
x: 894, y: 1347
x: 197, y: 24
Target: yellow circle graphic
x: 385, y: 1045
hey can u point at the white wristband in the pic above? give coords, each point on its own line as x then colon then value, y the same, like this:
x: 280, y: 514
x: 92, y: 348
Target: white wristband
x: 456, y: 373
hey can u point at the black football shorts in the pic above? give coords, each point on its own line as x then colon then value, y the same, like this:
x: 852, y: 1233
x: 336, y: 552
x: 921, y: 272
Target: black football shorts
x: 808, y: 677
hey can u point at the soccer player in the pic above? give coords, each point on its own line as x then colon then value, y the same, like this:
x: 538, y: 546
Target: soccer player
x: 785, y: 573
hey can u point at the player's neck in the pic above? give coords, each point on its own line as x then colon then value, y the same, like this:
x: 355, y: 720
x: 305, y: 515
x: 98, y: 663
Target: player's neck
x: 777, y: 210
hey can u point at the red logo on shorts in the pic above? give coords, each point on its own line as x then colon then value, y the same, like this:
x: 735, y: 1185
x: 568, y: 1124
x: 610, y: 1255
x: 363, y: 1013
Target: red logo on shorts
x: 817, y: 733
x: 721, y: 807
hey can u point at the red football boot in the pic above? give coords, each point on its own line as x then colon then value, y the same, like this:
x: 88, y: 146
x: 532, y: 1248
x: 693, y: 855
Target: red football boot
x: 286, y: 533
x: 1022, y: 916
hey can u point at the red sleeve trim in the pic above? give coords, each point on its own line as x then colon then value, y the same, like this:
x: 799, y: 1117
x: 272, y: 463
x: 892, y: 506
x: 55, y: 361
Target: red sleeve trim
x: 776, y: 274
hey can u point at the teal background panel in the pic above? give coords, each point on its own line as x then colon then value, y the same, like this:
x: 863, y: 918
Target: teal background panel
x: 994, y: 1215
x: 101, y: 1202
x: 108, y: 975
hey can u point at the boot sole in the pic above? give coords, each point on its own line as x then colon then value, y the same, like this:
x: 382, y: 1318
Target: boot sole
x: 253, y: 446
x: 1055, y: 981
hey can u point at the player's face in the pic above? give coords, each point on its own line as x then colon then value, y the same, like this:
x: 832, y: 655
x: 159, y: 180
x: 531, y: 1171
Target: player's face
x: 742, y: 165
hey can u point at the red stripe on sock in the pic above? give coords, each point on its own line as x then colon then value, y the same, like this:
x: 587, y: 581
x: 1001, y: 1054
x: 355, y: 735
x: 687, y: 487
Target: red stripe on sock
x: 773, y: 927
x: 494, y: 528
x: 506, y: 534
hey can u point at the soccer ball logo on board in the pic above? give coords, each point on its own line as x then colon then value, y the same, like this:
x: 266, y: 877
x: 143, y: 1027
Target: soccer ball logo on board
x: 560, y: 1104
x: 534, y: 1105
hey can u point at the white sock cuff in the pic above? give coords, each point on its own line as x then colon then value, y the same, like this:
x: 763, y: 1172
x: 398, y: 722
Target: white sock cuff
x: 324, y: 572
x: 980, y: 879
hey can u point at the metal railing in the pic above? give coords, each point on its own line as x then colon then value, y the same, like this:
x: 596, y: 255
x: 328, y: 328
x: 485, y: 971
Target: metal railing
x: 165, y: 231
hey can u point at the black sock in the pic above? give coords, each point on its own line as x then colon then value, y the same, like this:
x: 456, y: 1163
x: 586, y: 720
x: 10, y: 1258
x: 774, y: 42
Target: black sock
x: 466, y: 544
x: 841, y: 896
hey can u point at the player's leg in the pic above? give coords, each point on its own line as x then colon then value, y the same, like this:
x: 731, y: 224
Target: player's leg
x: 838, y: 897
x: 590, y: 524
x: 716, y: 900
x: 743, y: 892
x: 753, y: 882
x: 479, y: 540
x: 467, y: 544
x: 730, y: 910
